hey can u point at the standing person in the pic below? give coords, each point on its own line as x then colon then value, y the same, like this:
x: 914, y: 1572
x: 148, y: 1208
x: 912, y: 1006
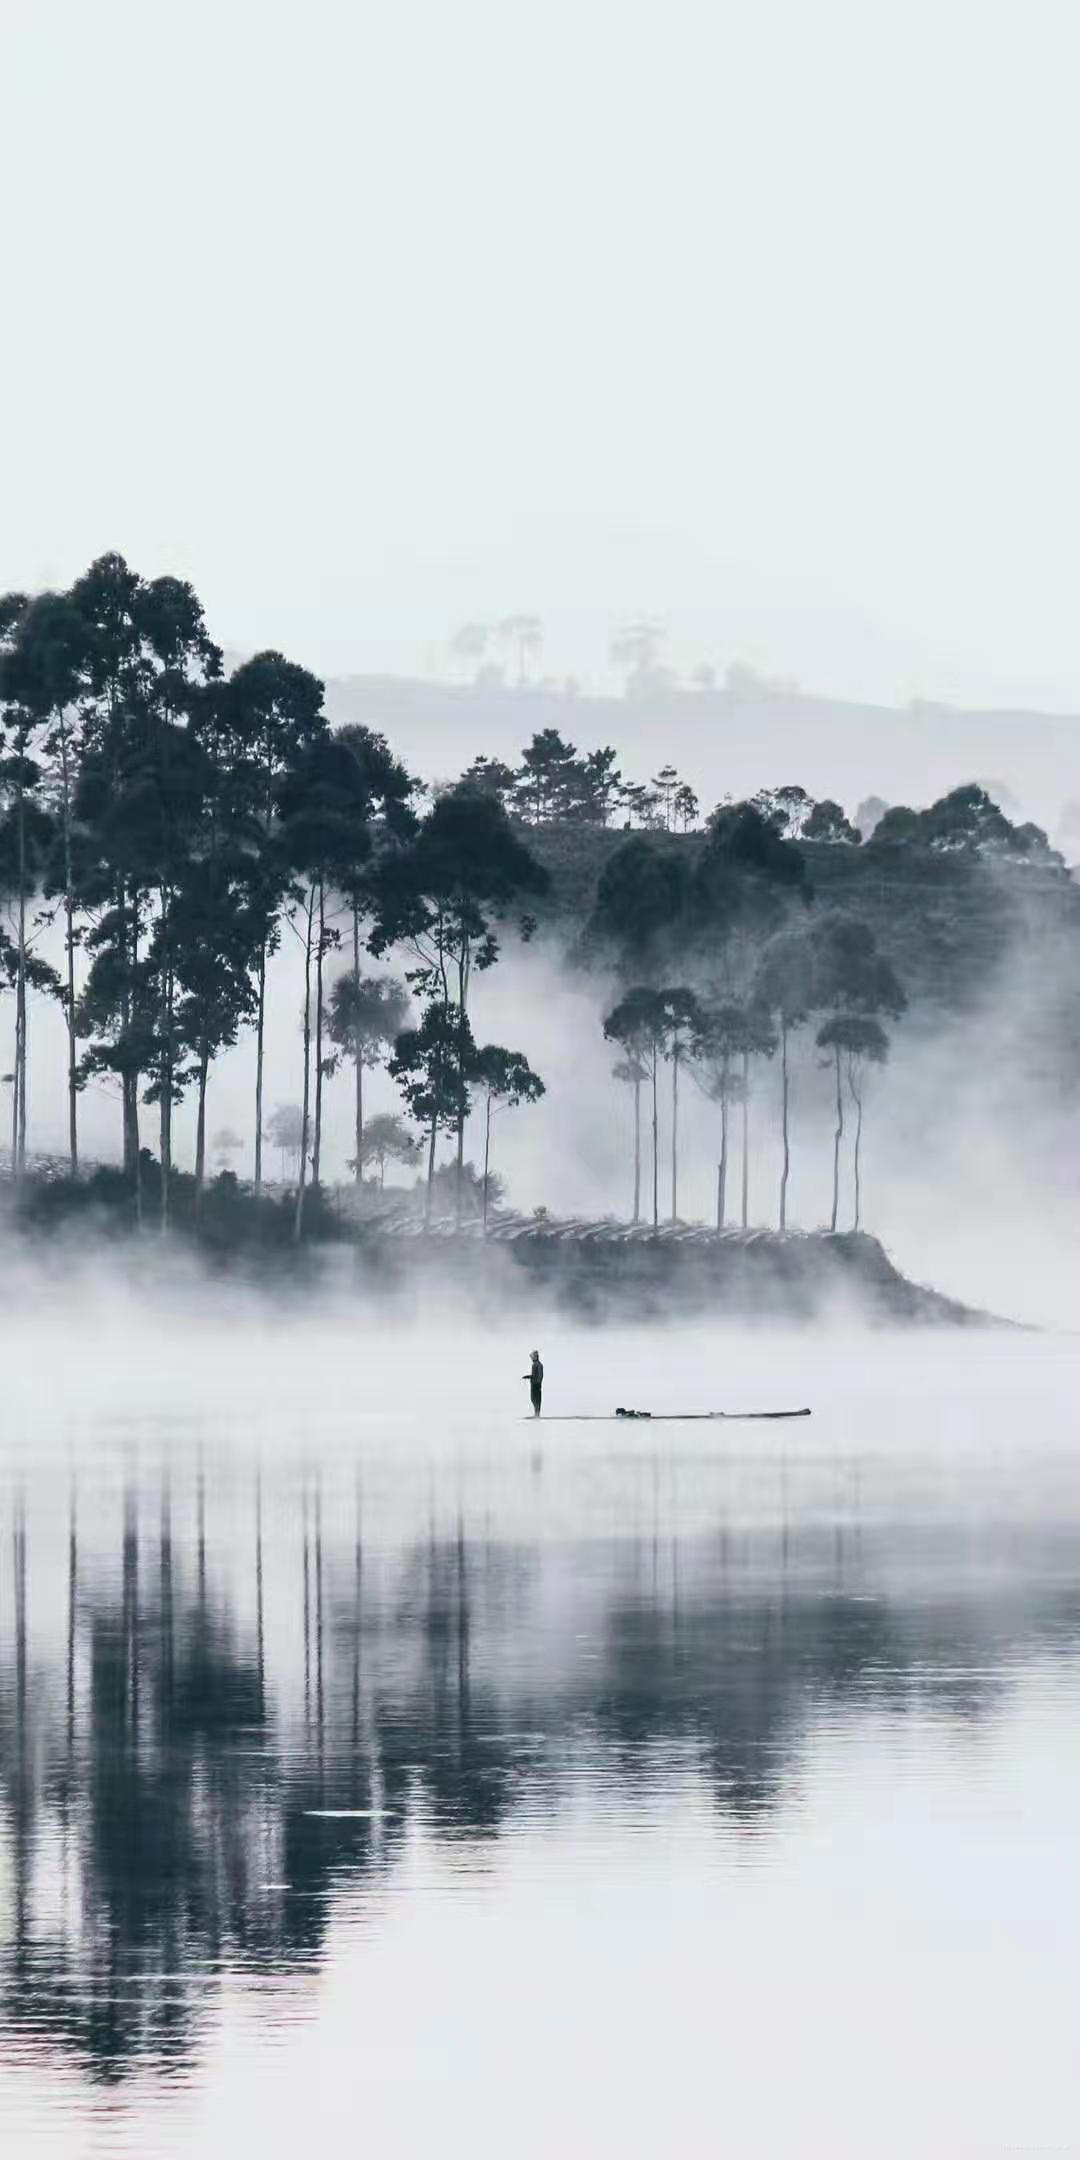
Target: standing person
x: 535, y: 1378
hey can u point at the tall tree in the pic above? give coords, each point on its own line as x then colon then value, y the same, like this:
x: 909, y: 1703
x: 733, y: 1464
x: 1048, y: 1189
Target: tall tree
x: 385, y: 791
x: 684, y: 1023
x: 285, y: 1131
x: 148, y: 659
x: 601, y: 784
x: 860, y: 1040
x: 440, y: 897
x: 505, y: 1079
x: 830, y: 823
x: 758, y: 1041
x: 366, y: 1015
x: 547, y: 772
x: 491, y: 777
x: 684, y: 805
x: 640, y: 1024
x: 631, y: 1072
x: 784, y: 988
x: 386, y: 1139
x: 433, y: 1065
x: 324, y: 806
x: 25, y: 846
x: 729, y: 1036
x: 716, y: 1049
x: 278, y: 715
x: 851, y: 978
x: 44, y: 673
x: 666, y: 783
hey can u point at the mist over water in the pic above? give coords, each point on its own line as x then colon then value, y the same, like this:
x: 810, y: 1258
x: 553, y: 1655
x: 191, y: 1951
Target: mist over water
x: 372, y: 1753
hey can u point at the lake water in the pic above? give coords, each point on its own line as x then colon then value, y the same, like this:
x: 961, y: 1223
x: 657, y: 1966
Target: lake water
x: 381, y: 1772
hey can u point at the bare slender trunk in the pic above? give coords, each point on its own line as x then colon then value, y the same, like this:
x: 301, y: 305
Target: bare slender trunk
x: 134, y: 1110
x: 358, y: 1053
x: 69, y: 944
x: 200, y: 1123
x: 655, y: 1153
x: 837, y: 1138
x: 487, y: 1155
x: 462, y: 1101
x: 745, y: 1140
x: 637, y: 1151
x: 260, y: 1023
x: 429, y: 1194
x: 19, y: 1161
x: 21, y: 1171
x: 675, y: 1135
x: 131, y: 1150
x: 722, y: 1166
x: 166, y: 1104
x: 15, y: 1101
x: 305, y: 1120
x: 784, y: 1097
x: 856, y: 1098
x: 316, y: 1156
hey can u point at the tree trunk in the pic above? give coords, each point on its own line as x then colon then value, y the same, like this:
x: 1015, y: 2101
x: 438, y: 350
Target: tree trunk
x: 463, y: 991
x: 722, y: 1167
x: 15, y: 1101
x: 837, y: 1137
x: 655, y: 1153
x: 316, y: 1157
x: 260, y: 1022
x: 429, y: 1194
x: 305, y: 1119
x: 487, y: 1155
x: 134, y: 1110
x: 358, y: 1052
x: 637, y: 1151
x: 19, y: 1161
x: 200, y: 1123
x: 675, y: 1134
x: 784, y: 1121
x: 745, y: 1140
x: 166, y: 1104
x: 131, y: 1127
x: 69, y: 943
x: 856, y: 1098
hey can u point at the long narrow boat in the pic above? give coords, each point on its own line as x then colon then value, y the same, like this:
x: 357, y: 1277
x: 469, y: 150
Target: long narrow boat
x: 665, y: 1417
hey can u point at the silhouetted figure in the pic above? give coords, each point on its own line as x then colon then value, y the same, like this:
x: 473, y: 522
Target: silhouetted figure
x: 535, y: 1378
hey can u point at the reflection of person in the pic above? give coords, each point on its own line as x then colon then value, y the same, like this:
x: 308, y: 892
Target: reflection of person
x: 535, y: 1378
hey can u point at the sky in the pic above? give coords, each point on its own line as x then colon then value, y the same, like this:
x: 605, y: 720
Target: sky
x: 760, y: 319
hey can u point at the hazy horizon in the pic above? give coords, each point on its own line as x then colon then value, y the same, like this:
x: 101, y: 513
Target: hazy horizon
x: 754, y: 321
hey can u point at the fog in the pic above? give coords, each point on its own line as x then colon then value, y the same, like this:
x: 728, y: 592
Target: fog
x: 969, y: 1176
x: 754, y: 318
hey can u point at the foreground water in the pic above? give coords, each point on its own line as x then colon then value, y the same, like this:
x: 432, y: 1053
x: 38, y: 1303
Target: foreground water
x: 382, y: 1773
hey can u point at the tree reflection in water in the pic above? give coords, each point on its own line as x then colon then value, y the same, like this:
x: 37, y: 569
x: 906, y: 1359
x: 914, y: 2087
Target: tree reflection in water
x: 179, y: 1802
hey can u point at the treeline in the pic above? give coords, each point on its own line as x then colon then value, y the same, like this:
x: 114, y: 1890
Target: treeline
x: 179, y: 823
x: 727, y: 961
x: 556, y: 784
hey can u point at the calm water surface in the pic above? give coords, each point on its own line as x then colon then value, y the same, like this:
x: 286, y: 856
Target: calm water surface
x: 383, y: 1776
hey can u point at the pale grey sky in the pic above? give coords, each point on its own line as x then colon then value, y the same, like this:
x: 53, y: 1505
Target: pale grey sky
x: 760, y: 317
